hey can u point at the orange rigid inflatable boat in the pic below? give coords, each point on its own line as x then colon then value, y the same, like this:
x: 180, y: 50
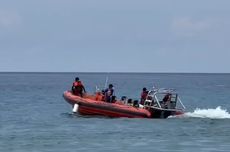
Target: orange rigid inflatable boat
x: 88, y: 105
x: 152, y: 108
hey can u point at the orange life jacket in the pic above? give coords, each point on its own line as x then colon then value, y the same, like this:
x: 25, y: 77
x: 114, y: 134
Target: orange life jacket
x: 99, y: 96
x: 78, y: 88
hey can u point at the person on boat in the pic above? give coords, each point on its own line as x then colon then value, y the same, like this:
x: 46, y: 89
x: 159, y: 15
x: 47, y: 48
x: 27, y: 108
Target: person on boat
x: 109, y: 93
x: 130, y: 102
x: 78, y: 88
x: 124, y: 99
x: 143, y: 95
x: 135, y: 103
x: 167, y: 99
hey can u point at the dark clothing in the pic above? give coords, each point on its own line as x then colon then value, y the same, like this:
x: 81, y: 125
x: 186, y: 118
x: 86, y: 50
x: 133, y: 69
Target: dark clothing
x: 109, y: 95
x: 135, y: 103
x: 143, y: 97
x: 167, y: 98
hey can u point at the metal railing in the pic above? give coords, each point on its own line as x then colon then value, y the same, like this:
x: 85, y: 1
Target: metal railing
x: 153, y: 95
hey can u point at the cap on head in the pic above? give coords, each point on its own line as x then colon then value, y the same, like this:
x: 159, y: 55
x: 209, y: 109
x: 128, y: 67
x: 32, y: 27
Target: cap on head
x: 110, y: 85
x: 144, y: 89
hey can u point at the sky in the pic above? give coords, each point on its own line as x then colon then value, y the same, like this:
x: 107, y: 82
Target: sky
x: 115, y: 36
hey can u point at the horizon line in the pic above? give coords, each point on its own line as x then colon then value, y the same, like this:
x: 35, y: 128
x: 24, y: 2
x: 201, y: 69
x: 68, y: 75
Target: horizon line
x: 116, y: 72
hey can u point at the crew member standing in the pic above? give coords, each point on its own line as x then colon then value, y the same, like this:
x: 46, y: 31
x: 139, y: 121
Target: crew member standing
x: 78, y: 88
x: 143, y: 95
x: 109, y: 93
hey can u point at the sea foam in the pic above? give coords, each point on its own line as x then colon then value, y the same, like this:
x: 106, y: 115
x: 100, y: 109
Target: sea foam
x: 217, y: 113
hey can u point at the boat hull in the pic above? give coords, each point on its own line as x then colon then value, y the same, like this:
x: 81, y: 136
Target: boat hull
x: 88, y: 105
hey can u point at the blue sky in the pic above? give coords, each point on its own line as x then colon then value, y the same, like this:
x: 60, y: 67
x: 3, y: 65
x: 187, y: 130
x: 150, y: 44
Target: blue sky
x: 115, y: 36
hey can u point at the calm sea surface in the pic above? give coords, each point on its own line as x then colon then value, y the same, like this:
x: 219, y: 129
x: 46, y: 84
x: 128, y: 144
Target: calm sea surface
x: 34, y: 116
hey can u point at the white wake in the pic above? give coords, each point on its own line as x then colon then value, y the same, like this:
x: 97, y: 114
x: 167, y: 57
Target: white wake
x: 217, y: 113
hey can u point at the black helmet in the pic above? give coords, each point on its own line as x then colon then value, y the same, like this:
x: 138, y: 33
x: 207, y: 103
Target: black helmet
x: 144, y: 89
x: 110, y: 85
x: 76, y: 79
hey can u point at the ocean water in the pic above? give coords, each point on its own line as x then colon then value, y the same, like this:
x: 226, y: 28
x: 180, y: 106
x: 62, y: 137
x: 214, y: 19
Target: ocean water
x: 34, y: 116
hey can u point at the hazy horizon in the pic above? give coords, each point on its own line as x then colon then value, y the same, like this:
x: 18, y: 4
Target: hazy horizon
x: 114, y: 72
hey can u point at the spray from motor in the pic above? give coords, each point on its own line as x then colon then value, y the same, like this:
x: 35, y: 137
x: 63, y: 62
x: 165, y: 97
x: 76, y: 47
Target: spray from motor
x: 217, y: 113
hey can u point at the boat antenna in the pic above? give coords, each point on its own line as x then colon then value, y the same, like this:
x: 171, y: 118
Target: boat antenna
x: 106, y: 81
x: 154, y: 88
x: 97, y: 89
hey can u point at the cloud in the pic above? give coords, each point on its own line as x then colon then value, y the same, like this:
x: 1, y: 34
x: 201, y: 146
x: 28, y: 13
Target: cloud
x: 189, y: 27
x: 9, y: 19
